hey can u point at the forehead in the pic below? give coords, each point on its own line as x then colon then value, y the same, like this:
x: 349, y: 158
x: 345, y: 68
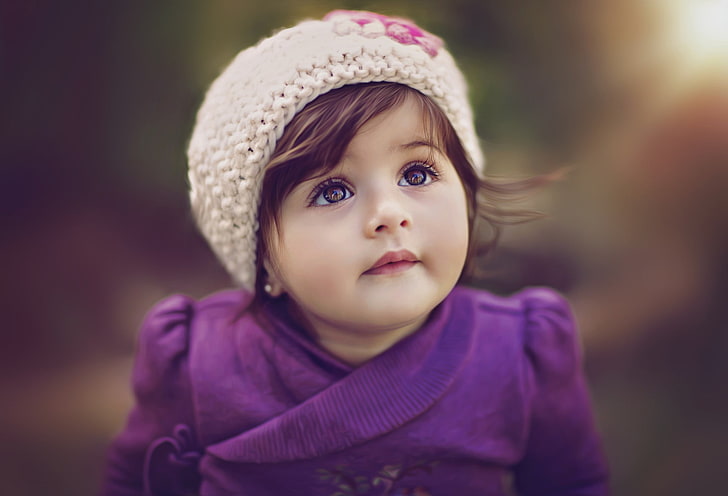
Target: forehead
x: 316, y: 140
x: 402, y: 126
x: 410, y: 121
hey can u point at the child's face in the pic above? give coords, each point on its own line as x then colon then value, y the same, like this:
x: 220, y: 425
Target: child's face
x: 393, y: 197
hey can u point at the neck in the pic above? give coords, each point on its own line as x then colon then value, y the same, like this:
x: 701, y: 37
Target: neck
x: 355, y: 349
x: 355, y: 346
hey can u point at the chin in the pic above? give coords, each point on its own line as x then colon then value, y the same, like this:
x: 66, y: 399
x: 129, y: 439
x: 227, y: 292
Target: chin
x: 389, y: 318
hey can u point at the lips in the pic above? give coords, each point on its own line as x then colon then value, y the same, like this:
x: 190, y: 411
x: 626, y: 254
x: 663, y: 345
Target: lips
x: 393, y: 262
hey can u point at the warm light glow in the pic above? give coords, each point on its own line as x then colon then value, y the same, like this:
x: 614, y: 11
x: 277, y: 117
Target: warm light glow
x: 687, y: 50
x: 701, y: 29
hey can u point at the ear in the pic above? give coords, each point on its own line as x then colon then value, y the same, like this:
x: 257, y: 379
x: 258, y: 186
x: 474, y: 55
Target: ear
x: 273, y: 285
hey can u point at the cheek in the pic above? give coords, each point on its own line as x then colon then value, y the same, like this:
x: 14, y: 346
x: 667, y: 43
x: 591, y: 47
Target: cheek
x: 448, y: 226
x: 311, y: 256
x: 450, y: 210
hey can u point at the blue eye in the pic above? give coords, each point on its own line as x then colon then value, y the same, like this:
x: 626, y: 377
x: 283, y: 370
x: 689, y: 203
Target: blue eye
x: 331, y: 191
x: 418, y: 174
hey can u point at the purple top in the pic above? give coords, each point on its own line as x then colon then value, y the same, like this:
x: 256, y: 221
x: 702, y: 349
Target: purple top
x: 487, y: 395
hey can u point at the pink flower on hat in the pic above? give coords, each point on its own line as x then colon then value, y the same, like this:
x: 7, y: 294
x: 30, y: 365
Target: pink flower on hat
x: 399, y: 29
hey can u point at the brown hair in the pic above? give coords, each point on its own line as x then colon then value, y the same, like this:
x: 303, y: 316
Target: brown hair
x: 315, y: 140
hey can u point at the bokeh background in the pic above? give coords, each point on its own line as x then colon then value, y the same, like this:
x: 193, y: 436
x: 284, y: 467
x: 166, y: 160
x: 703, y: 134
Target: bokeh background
x: 632, y: 96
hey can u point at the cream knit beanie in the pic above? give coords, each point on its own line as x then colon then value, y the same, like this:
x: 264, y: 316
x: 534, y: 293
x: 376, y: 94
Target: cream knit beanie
x: 249, y: 105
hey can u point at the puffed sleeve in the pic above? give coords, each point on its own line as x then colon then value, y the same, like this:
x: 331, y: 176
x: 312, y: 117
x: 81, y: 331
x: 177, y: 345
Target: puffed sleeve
x: 157, y: 451
x: 564, y: 455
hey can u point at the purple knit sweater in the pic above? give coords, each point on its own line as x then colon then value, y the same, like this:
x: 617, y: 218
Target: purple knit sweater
x: 487, y: 398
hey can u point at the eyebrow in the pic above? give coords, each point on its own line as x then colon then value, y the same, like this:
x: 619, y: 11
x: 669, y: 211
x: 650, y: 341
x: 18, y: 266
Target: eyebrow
x: 418, y: 143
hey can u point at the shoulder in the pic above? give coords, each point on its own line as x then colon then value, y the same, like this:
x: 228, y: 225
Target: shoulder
x: 539, y: 319
x: 167, y: 331
x: 532, y: 302
x: 550, y: 336
x: 169, y: 321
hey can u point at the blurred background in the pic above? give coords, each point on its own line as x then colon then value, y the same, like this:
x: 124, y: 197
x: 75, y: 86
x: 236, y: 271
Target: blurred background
x: 98, y: 102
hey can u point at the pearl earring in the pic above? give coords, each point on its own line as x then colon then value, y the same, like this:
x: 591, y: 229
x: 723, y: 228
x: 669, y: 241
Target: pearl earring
x: 268, y: 288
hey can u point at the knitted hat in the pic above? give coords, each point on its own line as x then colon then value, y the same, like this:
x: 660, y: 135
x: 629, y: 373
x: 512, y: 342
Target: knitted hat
x: 248, y: 107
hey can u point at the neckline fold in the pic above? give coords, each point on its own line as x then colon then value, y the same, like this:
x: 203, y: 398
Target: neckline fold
x: 374, y: 399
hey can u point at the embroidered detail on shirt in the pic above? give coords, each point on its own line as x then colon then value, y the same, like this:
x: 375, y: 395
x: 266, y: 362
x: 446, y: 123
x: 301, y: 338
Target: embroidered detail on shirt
x: 372, y: 25
x: 172, y: 458
x: 385, y: 483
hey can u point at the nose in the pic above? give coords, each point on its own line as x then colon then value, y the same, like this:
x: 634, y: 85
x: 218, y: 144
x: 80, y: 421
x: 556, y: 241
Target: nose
x: 387, y: 214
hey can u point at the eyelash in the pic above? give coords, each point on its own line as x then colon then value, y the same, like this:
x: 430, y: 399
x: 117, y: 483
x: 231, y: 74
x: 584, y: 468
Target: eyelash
x: 430, y: 171
x: 322, y: 187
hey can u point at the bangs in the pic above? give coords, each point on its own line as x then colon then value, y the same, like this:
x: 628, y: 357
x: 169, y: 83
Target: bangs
x: 315, y: 140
